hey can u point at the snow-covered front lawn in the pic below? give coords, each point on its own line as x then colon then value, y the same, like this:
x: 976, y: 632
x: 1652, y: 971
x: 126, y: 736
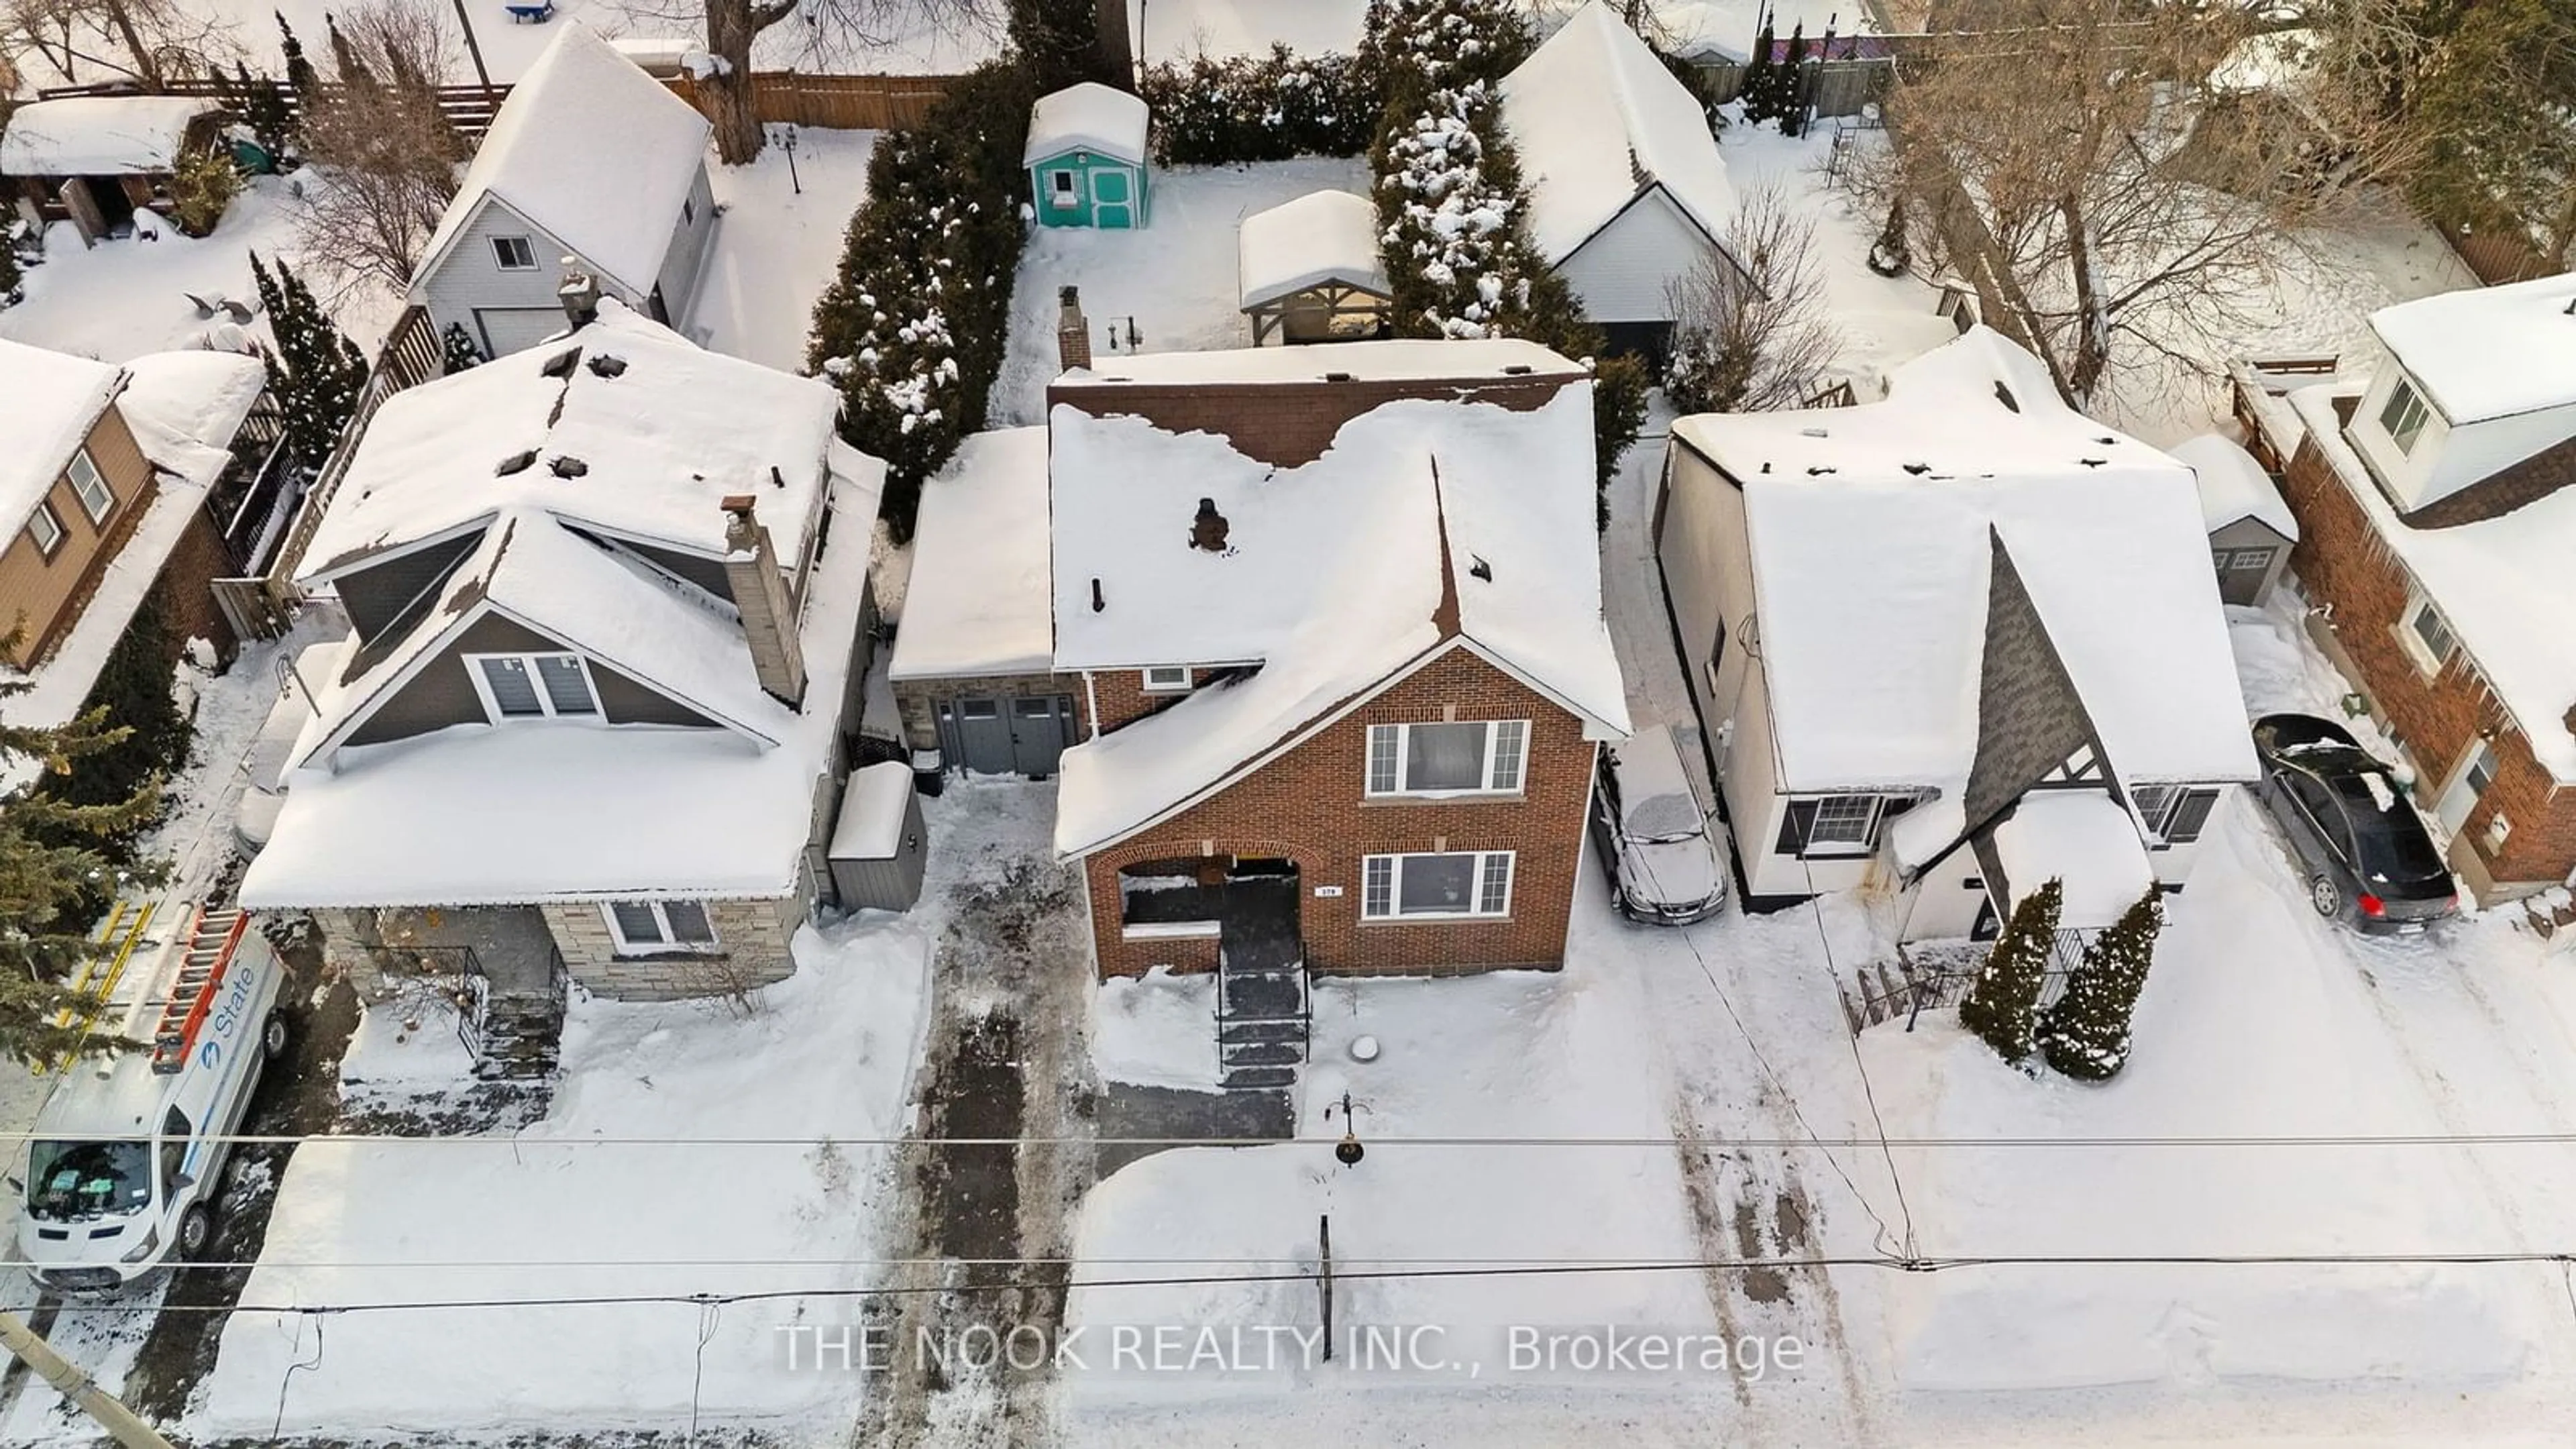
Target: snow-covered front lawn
x: 1175, y: 280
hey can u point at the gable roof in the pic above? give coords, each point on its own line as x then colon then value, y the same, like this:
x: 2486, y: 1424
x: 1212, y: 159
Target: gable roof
x: 1087, y: 117
x: 1871, y: 532
x: 99, y: 135
x: 1323, y: 236
x: 2488, y: 352
x: 185, y: 408
x: 2233, y: 487
x: 1335, y: 579
x: 1598, y: 121
x: 662, y: 428
x: 593, y: 150
x: 54, y: 400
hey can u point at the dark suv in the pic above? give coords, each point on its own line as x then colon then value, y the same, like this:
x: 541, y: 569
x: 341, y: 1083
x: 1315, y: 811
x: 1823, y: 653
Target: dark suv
x: 2369, y: 859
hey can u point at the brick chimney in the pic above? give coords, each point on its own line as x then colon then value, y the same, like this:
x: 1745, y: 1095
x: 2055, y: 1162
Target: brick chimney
x: 579, y: 294
x: 760, y: 593
x: 1072, y: 330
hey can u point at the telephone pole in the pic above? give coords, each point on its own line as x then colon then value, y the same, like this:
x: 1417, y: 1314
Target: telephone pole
x: 119, y: 1421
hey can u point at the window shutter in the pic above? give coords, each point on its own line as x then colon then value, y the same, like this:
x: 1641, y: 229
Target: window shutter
x: 1796, y: 826
x: 2190, y: 813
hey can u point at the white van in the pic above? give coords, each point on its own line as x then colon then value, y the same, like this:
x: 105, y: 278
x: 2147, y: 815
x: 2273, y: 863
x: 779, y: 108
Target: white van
x: 126, y: 1158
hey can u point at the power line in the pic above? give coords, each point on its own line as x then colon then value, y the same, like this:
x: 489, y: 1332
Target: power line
x: 1888, y: 1262
x: 1809, y: 1140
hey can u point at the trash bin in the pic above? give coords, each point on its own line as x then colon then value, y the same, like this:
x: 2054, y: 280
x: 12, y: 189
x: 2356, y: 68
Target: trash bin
x: 929, y: 772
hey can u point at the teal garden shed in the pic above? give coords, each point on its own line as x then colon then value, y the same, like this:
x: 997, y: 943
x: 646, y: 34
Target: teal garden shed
x: 1086, y: 158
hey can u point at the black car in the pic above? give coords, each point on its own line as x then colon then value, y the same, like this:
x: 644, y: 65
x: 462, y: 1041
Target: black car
x: 2368, y: 858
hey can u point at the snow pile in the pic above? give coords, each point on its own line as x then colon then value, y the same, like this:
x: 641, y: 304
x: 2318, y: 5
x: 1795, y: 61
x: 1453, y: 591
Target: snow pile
x: 1596, y: 119
x: 595, y: 152
x: 1325, y: 236
x: 99, y: 135
x: 2233, y: 486
x: 2083, y: 838
x: 1087, y: 117
x: 1157, y: 1030
x: 53, y: 401
x: 2254, y: 1023
x: 1873, y: 531
x: 545, y: 1213
x: 978, y: 600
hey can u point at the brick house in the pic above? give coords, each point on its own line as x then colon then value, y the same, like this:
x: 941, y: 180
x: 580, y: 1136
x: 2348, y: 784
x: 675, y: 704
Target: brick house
x: 1329, y: 625
x: 1949, y: 645
x: 2436, y: 526
x: 105, y: 476
x: 597, y: 701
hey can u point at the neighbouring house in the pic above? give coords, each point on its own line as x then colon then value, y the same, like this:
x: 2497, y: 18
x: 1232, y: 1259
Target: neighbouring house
x: 105, y: 472
x: 1327, y: 625
x: 1950, y: 645
x: 1309, y: 271
x: 2250, y: 528
x: 609, y: 612
x: 1628, y: 196
x: 1086, y: 158
x: 95, y: 160
x: 2436, y: 525
x: 592, y: 166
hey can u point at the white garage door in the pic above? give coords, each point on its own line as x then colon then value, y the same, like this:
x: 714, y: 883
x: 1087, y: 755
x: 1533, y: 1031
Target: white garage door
x: 508, y: 329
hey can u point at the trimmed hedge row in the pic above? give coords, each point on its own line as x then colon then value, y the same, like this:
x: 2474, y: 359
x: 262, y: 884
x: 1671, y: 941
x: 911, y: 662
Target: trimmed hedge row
x: 1210, y: 112
x: 914, y: 327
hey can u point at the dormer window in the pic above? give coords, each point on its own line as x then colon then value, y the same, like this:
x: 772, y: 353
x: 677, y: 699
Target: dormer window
x: 533, y: 686
x: 2403, y: 417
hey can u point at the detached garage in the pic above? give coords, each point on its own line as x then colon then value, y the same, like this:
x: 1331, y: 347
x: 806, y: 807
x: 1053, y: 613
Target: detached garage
x: 2250, y: 528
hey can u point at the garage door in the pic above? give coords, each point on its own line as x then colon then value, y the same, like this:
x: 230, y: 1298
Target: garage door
x: 509, y: 329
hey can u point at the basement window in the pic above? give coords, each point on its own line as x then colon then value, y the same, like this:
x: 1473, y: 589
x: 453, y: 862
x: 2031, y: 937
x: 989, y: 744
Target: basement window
x: 644, y: 927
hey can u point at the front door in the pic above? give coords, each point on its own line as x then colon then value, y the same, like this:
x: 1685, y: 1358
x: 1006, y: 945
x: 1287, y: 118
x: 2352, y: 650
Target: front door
x: 1113, y: 200
x: 2476, y: 773
x: 1039, y: 724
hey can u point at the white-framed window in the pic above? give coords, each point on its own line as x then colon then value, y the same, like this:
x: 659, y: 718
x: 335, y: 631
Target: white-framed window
x: 1065, y: 187
x: 2253, y: 558
x: 533, y: 686
x: 1167, y: 679
x: 1447, y: 885
x: 45, y: 530
x: 2174, y: 814
x: 89, y: 487
x: 2427, y: 635
x: 514, y: 253
x: 642, y: 927
x: 1475, y: 757
x: 2403, y: 416
x: 1831, y: 826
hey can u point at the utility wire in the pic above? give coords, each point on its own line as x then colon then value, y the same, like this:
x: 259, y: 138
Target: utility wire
x: 1806, y: 1141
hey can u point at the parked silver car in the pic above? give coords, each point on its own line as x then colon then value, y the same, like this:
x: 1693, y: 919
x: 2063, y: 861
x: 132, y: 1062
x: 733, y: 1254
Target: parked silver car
x: 1663, y: 861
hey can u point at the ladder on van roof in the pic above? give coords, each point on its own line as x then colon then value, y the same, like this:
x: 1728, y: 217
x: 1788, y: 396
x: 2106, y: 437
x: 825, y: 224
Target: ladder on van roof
x: 211, y: 943
x: 95, y: 983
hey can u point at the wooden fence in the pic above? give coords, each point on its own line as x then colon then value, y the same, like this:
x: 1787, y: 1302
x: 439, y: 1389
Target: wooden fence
x: 835, y: 102
x: 2497, y: 257
x: 1840, y: 87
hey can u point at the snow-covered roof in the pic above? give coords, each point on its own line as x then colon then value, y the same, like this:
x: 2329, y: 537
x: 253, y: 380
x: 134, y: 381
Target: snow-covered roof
x: 2488, y: 352
x: 1870, y: 531
x: 2085, y: 840
x: 99, y: 135
x: 1393, y: 360
x: 1323, y: 236
x: 185, y: 407
x: 1087, y: 117
x: 1331, y: 578
x: 2233, y: 486
x: 54, y: 399
x: 872, y: 812
x: 979, y: 603
x: 662, y: 441
x: 1726, y: 29
x: 533, y: 812
x: 1598, y: 120
x: 2503, y: 585
x: 593, y: 150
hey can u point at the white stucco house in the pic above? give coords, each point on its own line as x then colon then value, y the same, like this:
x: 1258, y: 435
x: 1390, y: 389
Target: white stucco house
x: 1627, y: 192
x: 589, y: 159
